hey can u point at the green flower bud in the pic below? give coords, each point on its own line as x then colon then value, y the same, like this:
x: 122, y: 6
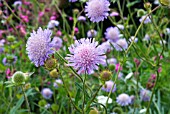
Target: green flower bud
x: 10, y: 38
x: 118, y: 110
x: 105, y: 75
x: 147, y: 5
x: 42, y: 103
x: 75, y: 11
x: 141, y: 12
x: 93, y: 112
x: 54, y: 107
x: 18, y: 77
x: 165, y: 2
x: 54, y: 73
x: 111, y: 67
x: 50, y: 64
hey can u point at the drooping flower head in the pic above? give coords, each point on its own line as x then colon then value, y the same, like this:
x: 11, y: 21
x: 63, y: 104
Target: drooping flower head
x: 123, y: 99
x: 57, y: 43
x: 121, y: 45
x: 85, y: 56
x: 46, y: 93
x: 97, y: 10
x: 145, y: 95
x: 112, y: 34
x: 57, y: 83
x: 108, y: 86
x: 39, y: 46
x: 91, y: 33
x: 146, y: 21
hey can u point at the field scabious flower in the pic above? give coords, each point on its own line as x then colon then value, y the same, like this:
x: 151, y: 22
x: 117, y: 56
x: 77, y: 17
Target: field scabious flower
x: 112, y: 34
x: 46, y: 93
x: 145, y: 95
x: 39, y: 46
x: 85, y: 56
x: 121, y: 45
x: 123, y: 99
x: 146, y: 21
x: 72, y: 0
x: 108, y: 86
x: 91, y: 33
x: 57, y: 43
x: 97, y: 10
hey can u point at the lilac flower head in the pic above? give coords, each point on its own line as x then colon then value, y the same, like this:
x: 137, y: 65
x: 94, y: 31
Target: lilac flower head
x: 145, y: 95
x: 38, y: 46
x: 72, y: 0
x: 108, y: 86
x: 46, y: 93
x: 123, y: 99
x: 112, y: 34
x: 105, y: 46
x: 9, y: 60
x: 121, y: 45
x: 52, y: 24
x: 81, y: 18
x: 91, y: 33
x: 147, y: 20
x: 146, y: 38
x: 132, y: 38
x: 17, y: 3
x: 97, y: 10
x: 57, y: 43
x: 112, y: 61
x: 85, y: 55
x: 57, y: 83
x: 114, y: 13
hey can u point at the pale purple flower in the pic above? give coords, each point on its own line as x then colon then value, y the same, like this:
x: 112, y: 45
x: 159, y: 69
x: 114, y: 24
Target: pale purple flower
x: 81, y: 18
x: 9, y: 60
x: 121, y: 45
x: 91, y: 33
x: 17, y: 3
x: 120, y: 26
x: 85, y: 56
x: 123, y: 99
x: 105, y: 46
x: 47, y: 106
x: 108, y: 86
x: 112, y: 34
x: 52, y: 24
x: 57, y: 43
x: 147, y: 20
x: 146, y: 38
x: 114, y: 13
x: 97, y: 10
x: 47, y: 93
x: 57, y: 83
x: 39, y: 46
x: 112, y: 61
x: 145, y: 95
x: 72, y: 0
x: 132, y: 38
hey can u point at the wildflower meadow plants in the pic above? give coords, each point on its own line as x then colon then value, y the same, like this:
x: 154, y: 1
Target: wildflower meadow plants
x: 84, y: 57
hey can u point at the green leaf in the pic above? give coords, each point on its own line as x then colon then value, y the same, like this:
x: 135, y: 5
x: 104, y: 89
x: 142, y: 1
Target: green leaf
x: 78, y: 97
x: 19, y: 103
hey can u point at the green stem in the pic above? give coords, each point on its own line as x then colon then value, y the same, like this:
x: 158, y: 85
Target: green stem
x: 27, y: 103
x: 92, y: 99
x: 69, y: 96
x: 157, y: 78
x: 84, y: 96
x: 140, y: 27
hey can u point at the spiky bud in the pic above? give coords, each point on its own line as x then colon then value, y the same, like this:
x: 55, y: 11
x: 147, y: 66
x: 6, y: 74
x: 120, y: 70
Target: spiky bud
x: 50, y: 64
x: 18, y: 78
x: 105, y: 75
